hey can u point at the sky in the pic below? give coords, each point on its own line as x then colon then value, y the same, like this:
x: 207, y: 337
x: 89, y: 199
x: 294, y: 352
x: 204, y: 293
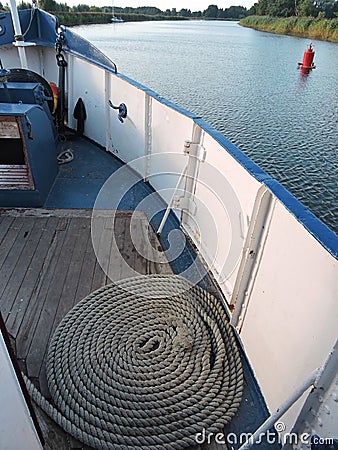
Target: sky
x: 196, y: 5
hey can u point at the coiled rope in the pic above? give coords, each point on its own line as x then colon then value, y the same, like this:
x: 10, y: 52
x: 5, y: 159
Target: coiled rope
x: 145, y: 363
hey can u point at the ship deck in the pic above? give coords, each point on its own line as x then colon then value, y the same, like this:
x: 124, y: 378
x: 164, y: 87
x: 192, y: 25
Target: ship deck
x: 47, y: 265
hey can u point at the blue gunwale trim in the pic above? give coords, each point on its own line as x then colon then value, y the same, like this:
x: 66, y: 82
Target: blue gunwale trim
x: 321, y: 232
x: 158, y: 97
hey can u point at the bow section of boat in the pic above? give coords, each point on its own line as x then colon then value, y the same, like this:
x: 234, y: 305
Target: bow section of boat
x: 221, y: 220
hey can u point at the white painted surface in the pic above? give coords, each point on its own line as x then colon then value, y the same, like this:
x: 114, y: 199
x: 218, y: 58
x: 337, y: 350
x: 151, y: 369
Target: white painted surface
x: 127, y: 137
x: 291, y: 322
x: 88, y: 84
x: 16, y: 426
x: 169, y: 131
x: 228, y: 193
x: 319, y: 413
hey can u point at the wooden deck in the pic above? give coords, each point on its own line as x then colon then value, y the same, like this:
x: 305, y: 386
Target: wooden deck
x: 47, y: 265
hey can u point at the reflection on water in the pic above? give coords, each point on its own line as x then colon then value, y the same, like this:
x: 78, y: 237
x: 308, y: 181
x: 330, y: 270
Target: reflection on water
x: 246, y: 84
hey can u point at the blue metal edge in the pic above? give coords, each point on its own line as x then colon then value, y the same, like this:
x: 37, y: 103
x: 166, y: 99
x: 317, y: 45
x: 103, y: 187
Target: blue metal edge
x: 312, y: 223
x: 42, y: 30
x: 78, y: 46
x: 321, y: 232
x: 158, y: 97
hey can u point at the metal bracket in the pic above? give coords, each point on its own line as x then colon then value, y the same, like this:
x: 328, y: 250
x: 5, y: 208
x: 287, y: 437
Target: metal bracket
x: 172, y: 200
x: 122, y: 108
x: 195, y: 149
x: 185, y: 203
x: 24, y: 44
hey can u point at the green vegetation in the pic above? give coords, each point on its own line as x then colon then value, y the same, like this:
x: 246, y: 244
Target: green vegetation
x: 301, y: 8
x: 83, y: 13
x: 310, y: 27
x: 84, y: 18
x: 314, y: 19
x: 128, y: 13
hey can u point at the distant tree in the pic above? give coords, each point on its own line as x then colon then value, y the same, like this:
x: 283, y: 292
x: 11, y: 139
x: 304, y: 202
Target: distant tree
x: 234, y: 12
x: 173, y: 12
x: 262, y: 7
x: 252, y: 11
x: 149, y: 10
x: 239, y: 12
x: 97, y: 9
x: 81, y: 8
x: 305, y: 8
x: 52, y: 5
x: 328, y: 7
x: 185, y: 12
x: 63, y: 7
x: 281, y: 8
x: 196, y: 14
x: 285, y: 8
x: 48, y: 5
x: 23, y: 5
x: 211, y: 11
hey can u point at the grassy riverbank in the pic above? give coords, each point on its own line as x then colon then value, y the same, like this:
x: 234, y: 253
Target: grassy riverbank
x: 308, y: 27
x: 84, y: 18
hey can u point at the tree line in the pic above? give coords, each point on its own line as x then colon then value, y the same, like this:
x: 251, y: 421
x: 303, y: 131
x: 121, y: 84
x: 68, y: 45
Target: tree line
x: 276, y: 8
x: 301, y: 8
x: 212, y: 12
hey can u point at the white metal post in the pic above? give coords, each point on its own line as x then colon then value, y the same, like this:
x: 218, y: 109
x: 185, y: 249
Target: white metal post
x: 166, y: 214
x: 18, y: 34
x: 279, y: 412
x: 107, y: 110
x: 251, y: 255
x: 193, y: 166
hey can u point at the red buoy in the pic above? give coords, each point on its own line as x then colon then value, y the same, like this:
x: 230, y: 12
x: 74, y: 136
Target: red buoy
x: 307, y: 63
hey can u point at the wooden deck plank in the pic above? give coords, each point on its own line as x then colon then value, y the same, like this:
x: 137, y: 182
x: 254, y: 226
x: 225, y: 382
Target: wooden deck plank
x: 117, y: 267
x: 33, y: 273
x: 46, y: 319
x: 84, y: 287
x: 158, y: 262
x: 5, y: 224
x: 138, y: 249
x: 18, y: 263
x: 8, y: 252
x: 40, y: 294
x: 70, y: 285
x: 10, y: 233
x: 99, y: 277
x: 69, y: 289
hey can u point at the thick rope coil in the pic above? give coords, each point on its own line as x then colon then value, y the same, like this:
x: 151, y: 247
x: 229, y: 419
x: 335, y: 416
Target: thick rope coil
x: 145, y: 363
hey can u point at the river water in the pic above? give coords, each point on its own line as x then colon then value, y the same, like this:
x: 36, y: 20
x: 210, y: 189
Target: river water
x: 246, y: 84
